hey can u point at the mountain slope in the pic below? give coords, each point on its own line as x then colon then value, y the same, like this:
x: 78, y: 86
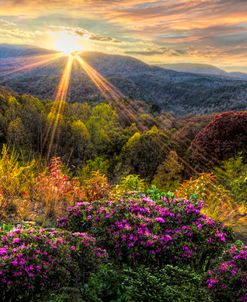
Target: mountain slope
x: 177, y: 92
x: 196, y: 68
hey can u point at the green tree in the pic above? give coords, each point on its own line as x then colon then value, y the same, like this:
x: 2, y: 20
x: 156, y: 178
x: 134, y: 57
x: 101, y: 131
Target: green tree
x: 16, y: 133
x: 169, y: 173
x: 79, y: 140
x: 100, y: 164
x: 104, y: 127
x: 144, y: 152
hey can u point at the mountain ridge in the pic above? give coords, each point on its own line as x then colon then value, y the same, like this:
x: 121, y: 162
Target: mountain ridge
x: 177, y: 92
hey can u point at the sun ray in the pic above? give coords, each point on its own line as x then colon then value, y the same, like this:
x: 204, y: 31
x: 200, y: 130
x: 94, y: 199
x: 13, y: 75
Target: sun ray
x: 32, y: 63
x: 111, y: 93
x: 105, y: 87
x: 108, y: 90
x: 59, y: 103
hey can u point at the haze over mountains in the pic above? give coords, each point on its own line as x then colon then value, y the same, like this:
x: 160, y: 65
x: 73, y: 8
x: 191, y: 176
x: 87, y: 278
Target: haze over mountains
x: 203, y: 69
x: 187, y: 91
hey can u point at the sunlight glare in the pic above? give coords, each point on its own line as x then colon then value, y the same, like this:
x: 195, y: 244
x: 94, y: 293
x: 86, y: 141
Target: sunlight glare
x: 67, y: 43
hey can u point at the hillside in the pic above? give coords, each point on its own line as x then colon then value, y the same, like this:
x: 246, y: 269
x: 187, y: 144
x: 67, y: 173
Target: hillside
x: 177, y: 92
x: 196, y: 68
x: 90, y: 202
x: 204, y: 69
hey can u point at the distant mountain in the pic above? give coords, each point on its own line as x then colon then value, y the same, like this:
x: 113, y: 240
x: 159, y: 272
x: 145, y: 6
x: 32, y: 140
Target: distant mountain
x: 196, y: 68
x: 239, y: 75
x: 204, y: 69
x: 178, y: 92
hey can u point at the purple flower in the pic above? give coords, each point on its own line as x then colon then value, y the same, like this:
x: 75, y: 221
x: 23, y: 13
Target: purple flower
x: 14, y: 262
x: 211, y: 282
x: 16, y: 240
x: 159, y: 220
x: 73, y: 248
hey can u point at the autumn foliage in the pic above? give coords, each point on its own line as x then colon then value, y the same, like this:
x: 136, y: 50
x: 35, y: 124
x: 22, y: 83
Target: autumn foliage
x: 223, y: 138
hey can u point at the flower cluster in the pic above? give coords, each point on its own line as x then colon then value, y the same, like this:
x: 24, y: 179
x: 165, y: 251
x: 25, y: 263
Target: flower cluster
x: 34, y: 260
x: 147, y: 231
x: 228, y: 281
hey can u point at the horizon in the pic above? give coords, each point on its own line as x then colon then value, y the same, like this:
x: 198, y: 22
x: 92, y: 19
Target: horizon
x: 156, y: 32
x: 157, y: 64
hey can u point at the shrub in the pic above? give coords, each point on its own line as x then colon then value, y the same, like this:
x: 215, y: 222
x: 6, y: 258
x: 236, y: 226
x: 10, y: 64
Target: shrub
x: 218, y: 203
x: 54, y: 191
x: 228, y: 280
x: 100, y: 164
x: 124, y: 284
x: 131, y: 183
x: 149, y: 232
x: 33, y: 261
x: 97, y: 187
x: 15, y: 181
x: 232, y: 174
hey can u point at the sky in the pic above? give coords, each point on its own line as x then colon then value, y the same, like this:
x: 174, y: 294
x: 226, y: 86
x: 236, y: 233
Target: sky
x: 157, y: 32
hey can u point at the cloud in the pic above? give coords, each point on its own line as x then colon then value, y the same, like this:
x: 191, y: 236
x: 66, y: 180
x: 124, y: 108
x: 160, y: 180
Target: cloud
x: 5, y: 23
x: 84, y: 33
x: 100, y: 38
x: 198, y: 30
x: 9, y: 32
x: 158, y: 51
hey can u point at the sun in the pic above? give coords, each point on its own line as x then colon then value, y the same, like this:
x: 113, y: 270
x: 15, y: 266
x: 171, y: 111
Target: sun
x: 67, y: 43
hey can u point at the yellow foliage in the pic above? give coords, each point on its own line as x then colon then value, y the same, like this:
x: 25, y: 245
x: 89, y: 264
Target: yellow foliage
x: 95, y: 188
x: 217, y: 200
x: 15, y: 181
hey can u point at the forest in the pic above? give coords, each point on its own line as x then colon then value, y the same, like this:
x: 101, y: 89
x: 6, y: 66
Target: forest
x: 129, y: 203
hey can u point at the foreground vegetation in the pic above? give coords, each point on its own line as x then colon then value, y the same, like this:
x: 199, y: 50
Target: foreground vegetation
x: 133, y: 249
x: 94, y: 223
x: 86, y: 239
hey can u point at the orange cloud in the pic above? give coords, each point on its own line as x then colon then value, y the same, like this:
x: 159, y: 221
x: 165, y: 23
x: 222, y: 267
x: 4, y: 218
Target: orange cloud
x: 154, y: 30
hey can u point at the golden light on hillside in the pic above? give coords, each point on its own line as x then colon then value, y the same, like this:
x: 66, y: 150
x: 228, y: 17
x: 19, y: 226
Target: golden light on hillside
x: 105, y: 87
x: 108, y: 90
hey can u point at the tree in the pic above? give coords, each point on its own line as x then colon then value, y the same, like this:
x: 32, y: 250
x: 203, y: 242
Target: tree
x: 169, y: 173
x: 223, y: 138
x: 79, y: 140
x: 103, y: 127
x: 144, y: 152
x: 17, y: 134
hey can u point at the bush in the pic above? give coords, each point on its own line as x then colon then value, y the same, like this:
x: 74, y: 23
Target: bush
x: 219, y: 204
x: 130, y: 183
x: 142, y: 284
x: 149, y: 232
x: 15, y: 182
x: 228, y: 280
x: 33, y: 261
x: 54, y: 191
x: 97, y: 187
